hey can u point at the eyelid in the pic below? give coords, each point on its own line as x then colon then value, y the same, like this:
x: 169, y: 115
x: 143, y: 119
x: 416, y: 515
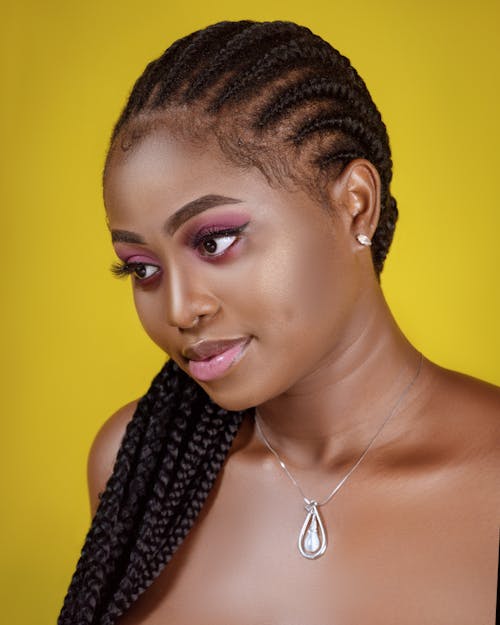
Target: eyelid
x: 216, y: 232
x: 140, y: 259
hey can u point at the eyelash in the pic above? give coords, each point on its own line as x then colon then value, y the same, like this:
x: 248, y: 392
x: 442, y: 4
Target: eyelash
x: 124, y: 269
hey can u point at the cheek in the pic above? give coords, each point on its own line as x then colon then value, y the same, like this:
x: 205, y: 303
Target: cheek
x: 152, y: 318
x: 298, y: 283
x: 286, y: 298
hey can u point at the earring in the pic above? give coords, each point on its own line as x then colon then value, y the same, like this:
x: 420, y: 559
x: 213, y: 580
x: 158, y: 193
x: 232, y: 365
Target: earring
x: 363, y: 239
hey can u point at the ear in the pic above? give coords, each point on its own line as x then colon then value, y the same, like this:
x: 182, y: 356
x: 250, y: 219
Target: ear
x: 355, y: 197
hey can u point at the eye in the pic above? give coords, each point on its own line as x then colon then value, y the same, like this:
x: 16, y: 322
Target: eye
x: 142, y: 271
x: 215, y: 241
x: 216, y: 245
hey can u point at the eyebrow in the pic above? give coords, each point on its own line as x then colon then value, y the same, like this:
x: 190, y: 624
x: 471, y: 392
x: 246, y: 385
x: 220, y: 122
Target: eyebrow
x: 125, y: 236
x: 189, y: 210
x: 175, y: 221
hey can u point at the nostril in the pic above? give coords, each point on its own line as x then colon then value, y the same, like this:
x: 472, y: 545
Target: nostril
x: 190, y: 318
x: 196, y: 321
x: 185, y: 322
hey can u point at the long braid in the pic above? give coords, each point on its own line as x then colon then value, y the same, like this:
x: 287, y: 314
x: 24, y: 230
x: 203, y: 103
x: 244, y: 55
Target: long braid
x: 166, y: 467
x: 106, y: 538
x: 280, y: 98
x: 173, y: 509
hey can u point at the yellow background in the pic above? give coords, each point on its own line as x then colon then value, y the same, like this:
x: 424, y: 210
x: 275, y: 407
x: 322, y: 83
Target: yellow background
x: 72, y: 348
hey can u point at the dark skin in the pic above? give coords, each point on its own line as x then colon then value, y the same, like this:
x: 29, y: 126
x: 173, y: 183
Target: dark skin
x: 413, y: 533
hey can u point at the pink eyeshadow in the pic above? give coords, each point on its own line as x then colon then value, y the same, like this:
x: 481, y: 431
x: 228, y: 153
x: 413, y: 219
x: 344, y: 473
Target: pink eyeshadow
x: 217, y: 222
x: 128, y: 254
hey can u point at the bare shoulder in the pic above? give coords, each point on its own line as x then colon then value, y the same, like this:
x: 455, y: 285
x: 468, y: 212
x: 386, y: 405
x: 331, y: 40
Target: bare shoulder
x: 469, y: 408
x: 465, y: 392
x: 104, y: 449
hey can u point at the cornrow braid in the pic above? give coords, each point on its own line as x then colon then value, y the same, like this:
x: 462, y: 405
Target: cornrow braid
x: 277, y: 97
x: 202, y: 47
x: 262, y: 76
x: 313, y: 88
x: 151, y: 76
x: 235, y: 53
x: 290, y: 55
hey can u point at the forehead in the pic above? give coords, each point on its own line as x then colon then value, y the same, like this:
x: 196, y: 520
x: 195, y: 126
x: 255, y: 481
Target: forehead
x: 160, y: 154
x: 160, y: 173
x: 160, y: 165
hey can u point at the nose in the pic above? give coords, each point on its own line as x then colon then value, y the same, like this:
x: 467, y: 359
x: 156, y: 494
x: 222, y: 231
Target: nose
x: 188, y: 299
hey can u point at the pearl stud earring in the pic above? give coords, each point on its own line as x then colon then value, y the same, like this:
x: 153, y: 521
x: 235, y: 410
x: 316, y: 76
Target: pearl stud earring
x: 363, y: 239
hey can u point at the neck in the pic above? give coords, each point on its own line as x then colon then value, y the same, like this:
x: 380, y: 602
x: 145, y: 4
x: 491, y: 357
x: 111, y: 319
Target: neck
x: 337, y: 409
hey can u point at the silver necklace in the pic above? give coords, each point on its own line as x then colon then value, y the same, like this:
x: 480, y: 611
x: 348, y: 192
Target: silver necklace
x: 312, y: 541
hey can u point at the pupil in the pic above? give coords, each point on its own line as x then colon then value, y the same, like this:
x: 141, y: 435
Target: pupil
x: 140, y: 271
x: 210, y: 246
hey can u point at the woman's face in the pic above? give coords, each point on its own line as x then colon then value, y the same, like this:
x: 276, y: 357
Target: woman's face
x: 250, y: 289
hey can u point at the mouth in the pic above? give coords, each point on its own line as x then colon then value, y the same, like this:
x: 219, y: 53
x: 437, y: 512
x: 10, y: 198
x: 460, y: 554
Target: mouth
x: 209, y: 360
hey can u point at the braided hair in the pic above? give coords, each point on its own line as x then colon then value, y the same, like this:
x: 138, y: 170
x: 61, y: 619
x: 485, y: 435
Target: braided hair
x: 276, y: 97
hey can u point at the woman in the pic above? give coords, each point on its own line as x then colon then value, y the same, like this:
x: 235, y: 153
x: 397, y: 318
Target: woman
x: 296, y: 460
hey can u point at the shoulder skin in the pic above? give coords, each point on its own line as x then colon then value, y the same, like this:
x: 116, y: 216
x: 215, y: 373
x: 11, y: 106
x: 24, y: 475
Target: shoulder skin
x: 470, y: 405
x: 103, y: 451
x: 464, y: 420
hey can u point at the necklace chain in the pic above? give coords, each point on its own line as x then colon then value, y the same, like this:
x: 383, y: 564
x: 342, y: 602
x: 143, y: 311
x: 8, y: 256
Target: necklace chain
x: 308, y: 501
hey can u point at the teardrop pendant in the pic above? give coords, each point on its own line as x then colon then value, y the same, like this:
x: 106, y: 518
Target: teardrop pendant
x: 312, y: 537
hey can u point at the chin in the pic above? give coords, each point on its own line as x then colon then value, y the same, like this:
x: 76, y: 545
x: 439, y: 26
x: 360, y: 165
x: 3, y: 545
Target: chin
x: 228, y: 394
x: 244, y: 390
x: 231, y: 399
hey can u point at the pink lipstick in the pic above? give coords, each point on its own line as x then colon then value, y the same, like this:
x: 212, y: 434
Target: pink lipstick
x: 209, y: 360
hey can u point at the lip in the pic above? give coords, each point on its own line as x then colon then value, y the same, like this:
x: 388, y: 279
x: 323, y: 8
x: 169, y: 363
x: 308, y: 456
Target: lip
x: 209, y: 360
